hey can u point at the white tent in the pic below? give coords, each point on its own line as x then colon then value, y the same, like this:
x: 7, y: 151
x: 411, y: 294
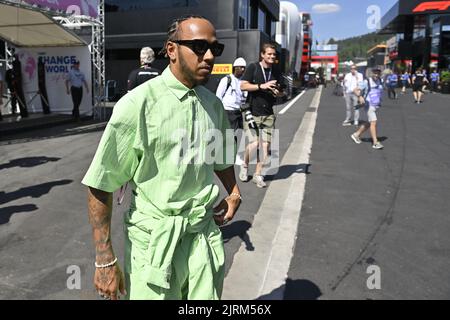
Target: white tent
x: 36, y: 36
x: 29, y: 27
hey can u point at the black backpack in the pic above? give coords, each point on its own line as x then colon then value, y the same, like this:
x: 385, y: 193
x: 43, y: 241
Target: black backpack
x: 228, y: 85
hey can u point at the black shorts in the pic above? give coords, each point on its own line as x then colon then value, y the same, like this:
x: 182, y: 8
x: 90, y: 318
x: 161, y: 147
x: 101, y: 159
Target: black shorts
x: 417, y: 87
x: 235, y: 119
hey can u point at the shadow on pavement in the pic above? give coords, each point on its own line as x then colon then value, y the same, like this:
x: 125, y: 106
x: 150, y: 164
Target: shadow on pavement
x: 6, y: 213
x: 381, y: 139
x: 53, y: 132
x: 301, y: 290
x: 33, y: 191
x: 294, y: 290
x: 284, y: 172
x: 28, y: 162
x: 238, y: 229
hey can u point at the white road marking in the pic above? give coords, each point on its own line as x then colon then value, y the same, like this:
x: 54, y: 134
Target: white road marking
x: 263, y: 272
x: 292, y: 103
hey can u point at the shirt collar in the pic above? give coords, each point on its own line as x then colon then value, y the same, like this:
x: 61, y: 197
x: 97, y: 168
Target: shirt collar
x: 175, y: 86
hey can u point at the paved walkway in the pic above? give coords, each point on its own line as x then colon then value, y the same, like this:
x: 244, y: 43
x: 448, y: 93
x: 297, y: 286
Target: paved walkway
x: 369, y: 219
x: 367, y: 210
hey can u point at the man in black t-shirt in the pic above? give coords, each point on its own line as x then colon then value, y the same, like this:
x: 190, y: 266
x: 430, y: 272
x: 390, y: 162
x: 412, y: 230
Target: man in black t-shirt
x: 136, y: 78
x: 145, y: 72
x: 263, y: 83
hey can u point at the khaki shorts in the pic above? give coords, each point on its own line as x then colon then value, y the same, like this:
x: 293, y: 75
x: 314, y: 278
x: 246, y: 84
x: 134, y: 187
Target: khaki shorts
x: 371, y: 113
x: 266, y: 125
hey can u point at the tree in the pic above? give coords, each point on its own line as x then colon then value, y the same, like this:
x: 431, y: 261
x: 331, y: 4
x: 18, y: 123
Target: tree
x: 354, y: 47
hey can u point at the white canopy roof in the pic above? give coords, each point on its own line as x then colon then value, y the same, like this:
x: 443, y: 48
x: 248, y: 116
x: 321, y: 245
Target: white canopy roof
x: 28, y: 27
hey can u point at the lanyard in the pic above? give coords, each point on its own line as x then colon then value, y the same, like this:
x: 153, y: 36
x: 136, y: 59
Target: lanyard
x: 264, y: 73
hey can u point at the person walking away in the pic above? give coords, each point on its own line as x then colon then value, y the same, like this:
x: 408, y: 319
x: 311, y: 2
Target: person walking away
x: 351, y: 81
x: 435, y: 78
x: 418, y: 82
x: 373, y: 92
x: 75, y: 78
x: 145, y: 72
x: 405, y: 78
x: 173, y: 245
x: 392, y: 83
x: 262, y: 81
x: 425, y: 74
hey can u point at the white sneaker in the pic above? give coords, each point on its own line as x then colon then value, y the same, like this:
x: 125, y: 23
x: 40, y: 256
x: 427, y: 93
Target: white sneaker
x: 243, y: 174
x: 356, y: 139
x: 259, y: 181
x: 356, y: 123
x: 346, y: 123
x: 378, y: 146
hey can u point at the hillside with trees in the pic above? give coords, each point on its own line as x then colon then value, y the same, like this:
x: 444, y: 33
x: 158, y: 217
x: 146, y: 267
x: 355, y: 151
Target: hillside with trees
x: 355, y: 48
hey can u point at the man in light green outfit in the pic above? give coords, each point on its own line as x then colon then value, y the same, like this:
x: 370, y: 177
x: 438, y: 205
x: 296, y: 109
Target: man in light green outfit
x: 167, y: 138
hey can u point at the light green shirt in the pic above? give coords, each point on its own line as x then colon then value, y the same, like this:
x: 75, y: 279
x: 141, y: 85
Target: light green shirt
x: 161, y: 138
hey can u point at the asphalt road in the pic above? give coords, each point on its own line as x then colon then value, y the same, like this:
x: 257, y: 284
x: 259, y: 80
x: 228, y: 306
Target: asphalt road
x: 45, y: 238
x: 366, y: 208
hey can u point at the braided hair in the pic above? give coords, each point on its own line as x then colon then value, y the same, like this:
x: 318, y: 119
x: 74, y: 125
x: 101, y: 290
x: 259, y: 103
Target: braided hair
x: 174, y: 28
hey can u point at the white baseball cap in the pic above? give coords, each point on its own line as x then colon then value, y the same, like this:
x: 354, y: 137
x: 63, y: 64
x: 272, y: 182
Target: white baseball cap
x: 240, y: 62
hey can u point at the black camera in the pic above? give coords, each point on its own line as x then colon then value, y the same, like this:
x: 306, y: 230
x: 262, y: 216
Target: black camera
x: 248, y: 116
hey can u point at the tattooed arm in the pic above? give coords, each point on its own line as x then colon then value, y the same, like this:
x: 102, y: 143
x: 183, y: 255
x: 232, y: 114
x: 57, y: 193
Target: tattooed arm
x: 107, y: 280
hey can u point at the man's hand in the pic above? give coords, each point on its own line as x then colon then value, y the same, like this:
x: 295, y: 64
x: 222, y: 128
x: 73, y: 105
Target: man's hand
x: 271, y: 85
x: 109, y: 282
x: 68, y: 92
x: 227, y: 209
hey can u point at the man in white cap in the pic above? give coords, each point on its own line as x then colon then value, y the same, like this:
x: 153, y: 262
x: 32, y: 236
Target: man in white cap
x: 229, y: 91
x: 145, y: 72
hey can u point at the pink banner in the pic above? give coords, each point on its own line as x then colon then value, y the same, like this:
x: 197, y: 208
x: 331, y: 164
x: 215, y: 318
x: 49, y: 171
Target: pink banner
x: 77, y: 7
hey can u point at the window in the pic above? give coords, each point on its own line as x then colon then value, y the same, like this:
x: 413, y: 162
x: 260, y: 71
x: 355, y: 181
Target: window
x: 261, y: 20
x: 244, y: 12
x: 273, y: 29
x: 419, y: 27
x: 445, y: 50
x: 305, y: 19
x: 435, y: 38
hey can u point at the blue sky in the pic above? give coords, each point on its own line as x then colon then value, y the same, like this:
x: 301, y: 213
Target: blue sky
x: 345, y: 18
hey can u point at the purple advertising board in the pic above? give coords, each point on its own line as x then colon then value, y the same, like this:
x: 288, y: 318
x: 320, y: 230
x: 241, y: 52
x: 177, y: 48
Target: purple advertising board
x: 77, y: 7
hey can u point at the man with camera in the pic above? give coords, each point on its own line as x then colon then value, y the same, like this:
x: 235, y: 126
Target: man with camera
x: 263, y: 83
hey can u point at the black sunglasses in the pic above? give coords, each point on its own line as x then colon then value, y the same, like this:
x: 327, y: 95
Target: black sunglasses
x: 200, y: 47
